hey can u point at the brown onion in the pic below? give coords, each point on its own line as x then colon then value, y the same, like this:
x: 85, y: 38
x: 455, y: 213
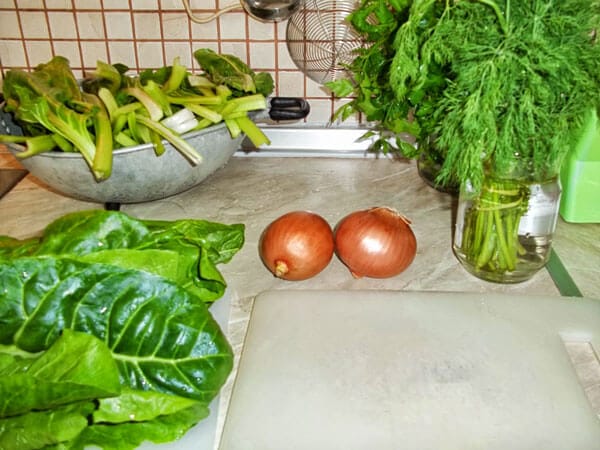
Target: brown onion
x: 297, y: 245
x: 376, y: 243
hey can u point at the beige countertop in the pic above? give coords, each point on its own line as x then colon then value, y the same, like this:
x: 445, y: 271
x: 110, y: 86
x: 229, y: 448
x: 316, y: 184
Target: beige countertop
x: 255, y: 191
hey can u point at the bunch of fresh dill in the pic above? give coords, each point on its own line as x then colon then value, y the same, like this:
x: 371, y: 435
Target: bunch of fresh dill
x: 520, y: 78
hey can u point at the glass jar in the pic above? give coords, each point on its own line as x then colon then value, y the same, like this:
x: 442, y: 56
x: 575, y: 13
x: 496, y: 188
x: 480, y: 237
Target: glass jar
x: 429, y: 165
x: 504, y: 229
x: 429, y: 170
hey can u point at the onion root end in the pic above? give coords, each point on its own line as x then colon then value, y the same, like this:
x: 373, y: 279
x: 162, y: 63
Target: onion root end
x: 281, y: 269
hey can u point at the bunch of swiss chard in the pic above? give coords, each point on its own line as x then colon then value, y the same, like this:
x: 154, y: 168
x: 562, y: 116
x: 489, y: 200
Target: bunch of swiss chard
x: 111, y: 110
x: 105, y: 334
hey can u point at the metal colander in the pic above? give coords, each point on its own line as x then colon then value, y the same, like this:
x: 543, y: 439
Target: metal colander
x: 320, y: 40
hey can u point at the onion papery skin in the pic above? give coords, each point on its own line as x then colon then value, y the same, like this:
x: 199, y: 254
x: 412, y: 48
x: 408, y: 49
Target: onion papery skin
x: 297, y: 245
x: 375, y: 243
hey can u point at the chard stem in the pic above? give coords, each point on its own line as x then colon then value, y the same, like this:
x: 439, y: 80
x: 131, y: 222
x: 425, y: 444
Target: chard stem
x: 179, y: 143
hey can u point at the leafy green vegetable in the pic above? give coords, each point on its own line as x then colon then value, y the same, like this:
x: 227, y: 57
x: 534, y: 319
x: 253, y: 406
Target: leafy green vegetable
x: 177, y: 76
x: 183, y: 251
x: 171, y: 424
x: 138, y: 406
x: 97, y: 345
x: 519, y: 81
x: 70, y: 395
x: 45, y: 429
x: 50, y: 96
x: 33, y: 144
x: 486, y: 79
x: 161, y: 336
x: 126, y: 421
x: 369, y: 85
x: 76, y: 367
x: 46, y: 398
x: 495, y: 87
x: 113, y: 110
x: 519, y: 77
x: 233, y: 72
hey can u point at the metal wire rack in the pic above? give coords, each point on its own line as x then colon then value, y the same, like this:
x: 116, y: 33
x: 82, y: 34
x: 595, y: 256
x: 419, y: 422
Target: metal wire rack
x: 320, y: 40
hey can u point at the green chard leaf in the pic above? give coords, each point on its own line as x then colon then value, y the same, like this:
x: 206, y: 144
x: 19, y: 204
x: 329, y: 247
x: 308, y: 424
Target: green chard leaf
x: 172, y: 424
x: 105, y: 335
x: 184, y: 251
x: 76, y: 367
x: 226, y: 69
x: 233, y: 72
x: 50, y: 98
x: 140, y: 406
x: 44, y: 429
x: 162, y: 337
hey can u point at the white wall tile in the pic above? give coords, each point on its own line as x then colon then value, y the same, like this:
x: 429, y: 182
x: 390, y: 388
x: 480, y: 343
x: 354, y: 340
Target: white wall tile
x: 144, y: 4
x: 320, y: 111
x: 58, y: 4
x: 28, y: 3
x: 118, y: 25
x: 70, y: 50
x: 314, y: 89
x: 147, y: 25
x: 38, y: 52
x: 233, y: 25
x: 261, y: 30
x: 90, y: 25
x: 150, y: 54
x: 171, y: 5
x: 9, y: 25
x: 284, y: 59
x: 175, y: 26
x: 290, y: 84
x: 92, y: 52
x: 281, y: 29
x: 12, y: 53
x: 204, y: 30
x: 62, y: 25
x: 262, y: 55
x: 208, y: 4
x: 87, y: 4
x: 122, y: 52
x: 34, y: 25
x: 235, y: 48
x: 183, y: 50
x: 115, y: 4
x: 22, y: 4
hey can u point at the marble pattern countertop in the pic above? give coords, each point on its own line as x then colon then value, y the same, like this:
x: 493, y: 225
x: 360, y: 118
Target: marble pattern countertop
x: 255, y: 191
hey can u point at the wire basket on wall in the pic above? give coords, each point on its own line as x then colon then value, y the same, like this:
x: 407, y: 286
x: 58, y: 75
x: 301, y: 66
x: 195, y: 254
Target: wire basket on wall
x: 320, y: 40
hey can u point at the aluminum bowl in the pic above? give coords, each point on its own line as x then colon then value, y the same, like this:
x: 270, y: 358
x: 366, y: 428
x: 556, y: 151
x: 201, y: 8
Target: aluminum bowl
x: 138, y: 175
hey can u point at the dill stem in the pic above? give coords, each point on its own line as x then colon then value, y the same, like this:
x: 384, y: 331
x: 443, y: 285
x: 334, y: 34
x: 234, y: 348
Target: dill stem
x: 501, y: 18
x: 488, y: 241
x: 507, y: 256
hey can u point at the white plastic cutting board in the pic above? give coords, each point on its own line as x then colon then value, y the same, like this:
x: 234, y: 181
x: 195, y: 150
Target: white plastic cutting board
x: 385, y: 370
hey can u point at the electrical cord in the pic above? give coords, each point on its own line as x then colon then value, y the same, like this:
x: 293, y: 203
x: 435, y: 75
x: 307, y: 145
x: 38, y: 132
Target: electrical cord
x: 209, y: 17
